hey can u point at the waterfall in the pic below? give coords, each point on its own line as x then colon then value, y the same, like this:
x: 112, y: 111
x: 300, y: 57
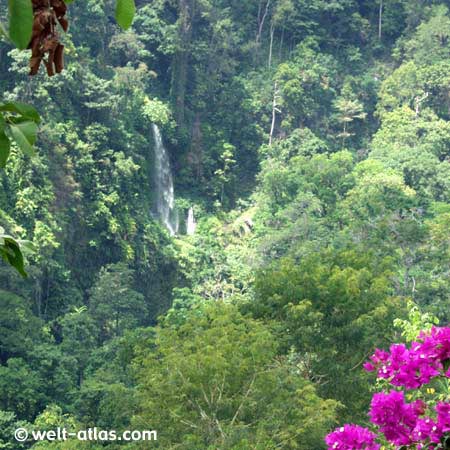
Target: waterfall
x: 165, y: 198
x: 191, y: 225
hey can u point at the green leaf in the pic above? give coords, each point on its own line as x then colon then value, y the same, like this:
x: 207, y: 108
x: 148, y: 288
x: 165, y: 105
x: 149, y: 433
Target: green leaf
x: 24, y: 135
x: 20, y: 22
x: 27, y: 246
x: 5, y: 148
x: 3, y: 32
x: 10, y: 252
x: 125, y: 10
x: 25, y: 110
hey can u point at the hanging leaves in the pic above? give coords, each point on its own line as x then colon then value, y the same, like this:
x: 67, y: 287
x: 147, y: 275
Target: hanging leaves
x: 45, y: 44
x: 125, y: 11
x: 18, y: 123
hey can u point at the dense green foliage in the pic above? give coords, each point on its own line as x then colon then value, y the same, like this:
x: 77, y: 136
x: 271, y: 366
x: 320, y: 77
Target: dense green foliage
x: 311, y: 138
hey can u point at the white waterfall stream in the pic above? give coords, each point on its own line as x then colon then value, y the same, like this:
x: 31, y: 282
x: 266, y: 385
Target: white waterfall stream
x: 165, y: 197
x: 191, y: 224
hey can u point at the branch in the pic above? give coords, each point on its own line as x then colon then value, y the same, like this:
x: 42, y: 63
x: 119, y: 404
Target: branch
x: 243, y: 400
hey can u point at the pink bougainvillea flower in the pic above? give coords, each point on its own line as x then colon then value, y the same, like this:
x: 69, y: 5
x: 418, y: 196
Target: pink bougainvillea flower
x: 352, y: 437
x: 395, y: 418
x: 438, y: 339
x: 404, y: 424
x: 443, y: 416
x: 426, y: 429
x: 378, y: 359
x: 417, y: 366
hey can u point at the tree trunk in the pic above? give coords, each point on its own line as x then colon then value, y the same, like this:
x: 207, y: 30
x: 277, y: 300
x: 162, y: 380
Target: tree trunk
x: 380, y: 19
x: 272, y: 31
x: 261, y: 20
x: 181, y: 61
x: 195, y: 155
x: 280, y: 50
x: 274, y: 112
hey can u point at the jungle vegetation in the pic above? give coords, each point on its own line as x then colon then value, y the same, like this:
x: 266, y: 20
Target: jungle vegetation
x: 311, y: 138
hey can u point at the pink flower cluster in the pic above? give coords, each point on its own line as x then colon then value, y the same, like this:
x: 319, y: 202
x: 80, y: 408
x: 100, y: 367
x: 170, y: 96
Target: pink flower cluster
x: 403, y: 424
x: 429, y: 430
x: 412, y: 368
x: 395, y: 418
x: 352, y: 437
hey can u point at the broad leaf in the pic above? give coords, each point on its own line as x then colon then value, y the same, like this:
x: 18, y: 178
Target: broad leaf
x: 10, y: 252
x: 5, y: 147
x: 24, y: 135
x: 125, y: 10
x: 27, y: 246
x: 23, y: 109
x: 20, y: 22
